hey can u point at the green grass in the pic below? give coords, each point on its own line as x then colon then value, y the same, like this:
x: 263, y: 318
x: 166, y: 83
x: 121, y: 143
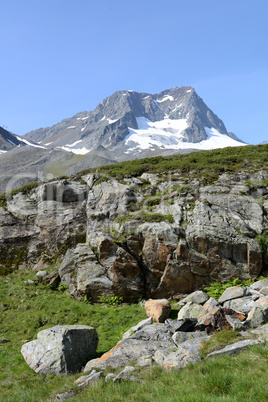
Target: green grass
x: 203, y: 164
x: 218, y: 340
x: 145, y: 217
x: 216, y: 289
x: 60, y: 169
x: 27, y: 309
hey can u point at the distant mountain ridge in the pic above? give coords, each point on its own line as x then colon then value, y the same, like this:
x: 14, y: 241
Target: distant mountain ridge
x: 126, y: 125
x: 140, y: 124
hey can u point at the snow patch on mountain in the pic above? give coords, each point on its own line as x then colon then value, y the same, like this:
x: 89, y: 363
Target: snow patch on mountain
x: 73, y: 144
x: 167, y: 97
x: 77, y: 151
x: 30, y: 143
x: 168, y: 134
x: 159, y: 134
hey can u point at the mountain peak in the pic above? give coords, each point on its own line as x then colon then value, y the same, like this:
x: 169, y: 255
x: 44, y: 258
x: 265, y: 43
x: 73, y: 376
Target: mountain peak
x: 135, y: 123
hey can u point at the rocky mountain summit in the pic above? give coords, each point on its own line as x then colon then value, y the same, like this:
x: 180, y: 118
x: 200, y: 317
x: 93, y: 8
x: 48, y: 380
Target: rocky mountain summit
x: 140, y: 124
x: 126, y: 125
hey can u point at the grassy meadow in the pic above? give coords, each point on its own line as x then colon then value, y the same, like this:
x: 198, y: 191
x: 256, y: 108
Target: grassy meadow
x: 26, y: 309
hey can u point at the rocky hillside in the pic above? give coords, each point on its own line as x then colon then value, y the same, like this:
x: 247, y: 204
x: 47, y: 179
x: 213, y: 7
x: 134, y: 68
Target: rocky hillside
x: 144, y: 234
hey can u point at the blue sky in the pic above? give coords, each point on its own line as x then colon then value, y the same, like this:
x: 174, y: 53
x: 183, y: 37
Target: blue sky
x: 62, y: 57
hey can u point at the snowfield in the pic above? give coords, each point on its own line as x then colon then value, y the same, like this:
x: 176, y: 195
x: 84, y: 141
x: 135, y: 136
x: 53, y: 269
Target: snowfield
x: 168, y: 134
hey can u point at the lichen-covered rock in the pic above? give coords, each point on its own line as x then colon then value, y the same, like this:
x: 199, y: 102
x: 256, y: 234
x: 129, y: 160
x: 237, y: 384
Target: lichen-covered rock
x: 190, y: 310
x: 60, y: 350
x: 259, y: 284
x: 242, y: 305
x: 198, y: 297
x: 235, y: 348
x: 233, y: 292
x: 144, y: 342
x: 186, y: 352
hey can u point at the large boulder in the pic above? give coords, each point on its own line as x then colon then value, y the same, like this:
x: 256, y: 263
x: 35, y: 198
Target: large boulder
x: 159, y: 309
x: 61, y: 350
x: 144, y: 342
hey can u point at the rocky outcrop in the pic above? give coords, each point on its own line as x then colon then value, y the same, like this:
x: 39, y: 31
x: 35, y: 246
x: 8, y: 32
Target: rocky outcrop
x: 154, y: 236
x: 61, y: 349
x: 39, y: 225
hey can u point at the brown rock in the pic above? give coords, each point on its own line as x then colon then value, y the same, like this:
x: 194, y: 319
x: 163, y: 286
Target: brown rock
x: 158, y: 309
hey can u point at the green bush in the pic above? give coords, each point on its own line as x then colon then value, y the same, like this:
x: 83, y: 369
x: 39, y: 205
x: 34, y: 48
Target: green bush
x: 216, y: 289
x: 111, y: 300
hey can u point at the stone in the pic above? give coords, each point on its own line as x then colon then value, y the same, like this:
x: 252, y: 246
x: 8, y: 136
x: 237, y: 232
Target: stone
x: 264, y: 290
x: 109, y: 377
x: 144, y: 342
x: 207, y: 315
x: 84, y: 377
x: 235, y: 348
x: 211, y: 304
x: 145, y: 361
x: 242, y: 305
x: 198, y: 297
x: 263, y: 301
x: 41, y: 274
x: 218, y: 320
x: 53, y: 279
x: 91, y: 379
x: 259, y: 284
x: 61, y: 349
x: 180, y: 336
x: 135, y: 328
x: 234, y: 322
x: 234, y: 292
x: 186, y: 352
x: 257, y: 316
x: 190, y: 310
x: 158, y: 309
x: 261, y: 332
x: 65, y: 395
x: 125, y: 375
x: 183, y: 324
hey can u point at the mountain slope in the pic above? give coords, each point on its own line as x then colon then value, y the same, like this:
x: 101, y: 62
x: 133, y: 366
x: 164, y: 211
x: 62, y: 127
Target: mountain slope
x: 140, y: 123
x: 8, y: 141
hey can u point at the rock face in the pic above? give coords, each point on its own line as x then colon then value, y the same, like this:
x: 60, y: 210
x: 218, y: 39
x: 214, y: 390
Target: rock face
x: 61, y: 349
x: 153, y: 236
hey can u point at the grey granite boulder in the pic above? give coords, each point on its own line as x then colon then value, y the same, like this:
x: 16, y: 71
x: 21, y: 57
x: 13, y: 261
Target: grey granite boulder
x: 233, y: 292
x: 144, y: 342
x: 187, y: 352
x: 257, y: 316
x: 60, y: 350
x: 140, y: 325
x: 180, y: 336
x: 242, y: 305
x: 235, y: 348
x: 259, y: 284
x: 190, y: 310
x: 198, y: 297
